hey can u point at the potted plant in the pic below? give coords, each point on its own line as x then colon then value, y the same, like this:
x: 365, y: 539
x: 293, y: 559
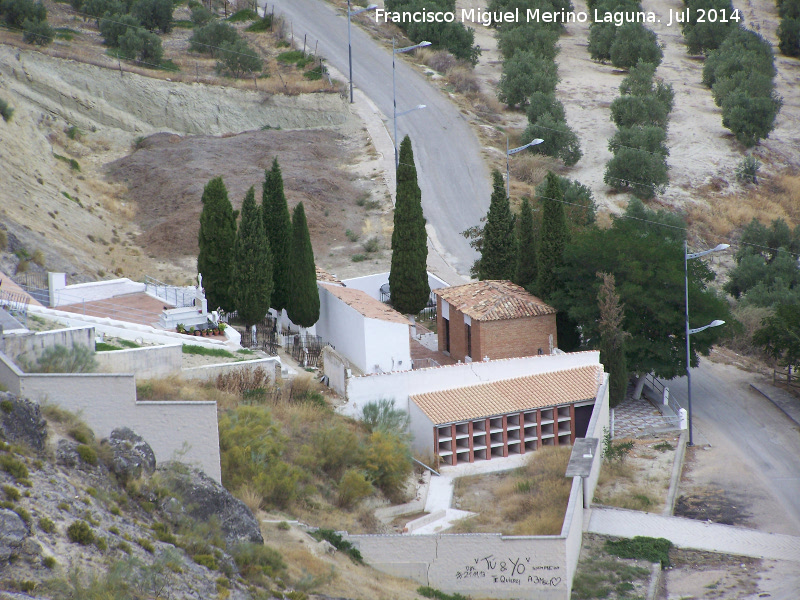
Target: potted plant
x: 222, y: 327
x: 192, y: 330
x: 180, y: 328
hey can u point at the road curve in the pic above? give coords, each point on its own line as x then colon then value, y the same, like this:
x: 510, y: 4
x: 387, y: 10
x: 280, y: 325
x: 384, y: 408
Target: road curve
x: 452, y: 174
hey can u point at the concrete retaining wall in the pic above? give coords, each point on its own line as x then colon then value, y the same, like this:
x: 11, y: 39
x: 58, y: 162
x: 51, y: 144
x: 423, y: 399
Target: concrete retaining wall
x: 29, y: 346
x: 147, y: 362
x: 185, y: 431
x: 271, y: 365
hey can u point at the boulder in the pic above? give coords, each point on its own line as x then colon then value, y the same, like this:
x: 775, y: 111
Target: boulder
x: 13, y: 532
x: 132, y: 456
x: 67, y: 453
x: 21, y: 422
x: 204, y: 498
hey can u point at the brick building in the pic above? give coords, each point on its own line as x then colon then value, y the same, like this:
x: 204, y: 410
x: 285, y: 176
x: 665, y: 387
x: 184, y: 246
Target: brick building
x: 495, y: 319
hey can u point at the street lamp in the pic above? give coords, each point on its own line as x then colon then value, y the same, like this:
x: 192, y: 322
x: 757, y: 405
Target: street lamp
x: 349, y: 46
x: 396, y: 51
x: 535, y: 142
x: 717, y: 323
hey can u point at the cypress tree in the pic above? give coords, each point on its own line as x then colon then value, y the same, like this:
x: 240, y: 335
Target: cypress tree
x: 553, y: 238
x: 526, y: 247
x: 499, y: 253
x: 408, y: 276
x: 612, y: 340
x: 216, y: 239
x: 278, y: 225
x: 252, y: 264
x: 303, y: 309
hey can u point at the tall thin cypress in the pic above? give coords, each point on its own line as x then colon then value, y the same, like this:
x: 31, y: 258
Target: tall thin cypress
x: 216, y: 239
x: 526, y: 247
x: 278, y: 225
x: 408, y: 276
x: 553, y: 238
x: 499, y: 253
x: 252, y: 264
x: 612, y: 339
x: 303, y: 309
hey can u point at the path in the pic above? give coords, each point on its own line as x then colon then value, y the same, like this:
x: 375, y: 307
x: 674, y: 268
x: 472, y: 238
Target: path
x: 697, y: 535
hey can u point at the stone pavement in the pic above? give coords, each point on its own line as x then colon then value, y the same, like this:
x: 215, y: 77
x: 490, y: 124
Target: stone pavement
x: 633, y: 418
x: 697, y: 535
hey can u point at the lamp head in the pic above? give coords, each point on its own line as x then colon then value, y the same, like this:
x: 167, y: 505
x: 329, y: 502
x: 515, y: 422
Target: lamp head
x: 716, y: 323
x: 721, y: 247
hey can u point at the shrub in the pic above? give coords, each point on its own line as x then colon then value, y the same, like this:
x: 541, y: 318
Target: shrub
x: 532, y: 37
x: 146, y: 545
x: 37, y: 32
x: 615, y: 452
x: 16, y: 12
x: 371, y: 245
x: 201, y: 15
x: 540, y: 104
x: 649, y: 139
x: 381, y: 415
x: 153, y: 14
x: 747, y: 170
x: 628, y: 110
x: 634, y: 42
x: 429, y: 592
x: 641, y: 547
x: 11, y: 493
x: 49, y: 562
x: 206, y: 560
x: 238, y: 59
x: 114, y: 27
x: 641, y: 172
x: 13, y: 467
x: 601, y: 38
x: 141, y: 46
x: 750, y: 119
x: 705, y: 36
x: 47, y: 525
x: 581, y: 208
x: 7, y: 406
x: 387, y: 462
x: 352, y: 488
x: 209, y: 38
x: 523, y: 74
x: 80, y: 533
x: 463, y: 80
x: 245, y: 14
x: 263, y: 24
x: 789, y: 37
x: 339, y: 543
x: 59, y: 359
x: 87, y: 454
x: 258, y: 558
x: 559, y: 140
x: 6, y: 111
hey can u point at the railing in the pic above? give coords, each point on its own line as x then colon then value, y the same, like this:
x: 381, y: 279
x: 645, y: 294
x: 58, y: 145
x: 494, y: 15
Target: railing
x: 665, y: 402
x: 34, y: 284
x: 305, y: 349
x: 15, y: 304
x: 423, y: 363
x: 787, y: 377
x: 265, y: 337
x: 171, y: 294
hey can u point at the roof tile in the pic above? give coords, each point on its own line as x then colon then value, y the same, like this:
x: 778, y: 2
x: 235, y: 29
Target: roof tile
x: 365, y: 304
x: 494, y: 300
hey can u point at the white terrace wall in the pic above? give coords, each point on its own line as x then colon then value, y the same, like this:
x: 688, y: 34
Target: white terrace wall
x: 388, y: 345
x: 31, y: 345
x: 91, y: 291
x: 402, y: 384
x: 371, y: 284
x: 271, y: 365
x: 147, y: 362
x: 335, y: 366
x: 342, y: 326
x: 185, y: 431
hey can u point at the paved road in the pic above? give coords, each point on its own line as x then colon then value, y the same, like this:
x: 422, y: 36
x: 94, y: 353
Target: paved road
x: 452, y: 175
x: 697, y: 535
x: 756, y: 442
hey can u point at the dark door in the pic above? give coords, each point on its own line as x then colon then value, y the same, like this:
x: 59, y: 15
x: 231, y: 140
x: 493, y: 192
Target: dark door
x: 447, y: 335
x: 582, y: 416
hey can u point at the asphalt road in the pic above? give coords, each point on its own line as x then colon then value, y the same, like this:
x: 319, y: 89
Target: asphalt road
x: 452, y: 175
x: 755, y: 448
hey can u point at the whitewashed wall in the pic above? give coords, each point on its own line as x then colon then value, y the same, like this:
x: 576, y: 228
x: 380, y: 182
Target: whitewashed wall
x: 387, y: 344
x: 146, y: 362
x: 371, y: 284
x: 342, y: 326
x: 31, y: 345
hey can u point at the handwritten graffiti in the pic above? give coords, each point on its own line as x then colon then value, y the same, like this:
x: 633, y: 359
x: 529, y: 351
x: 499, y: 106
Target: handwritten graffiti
x: 510, y: 571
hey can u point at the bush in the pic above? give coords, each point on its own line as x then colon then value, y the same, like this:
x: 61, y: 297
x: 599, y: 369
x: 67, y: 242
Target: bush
x: 154, y: 14
x: 789, y: 37
x: 59, y: 359
x: 580, y: 208
x: 142, y: 46
x: 649, y: 139
x: 387, y: 462
x: 559, y: 140
x: 5, y: 111
x: 601, y: 38
x: 339, y: 543
x: 80, y: 533
x: 642, y: 173
x: 263, y: 24
x: 353, y: 487
x: 99, y: 8
x: 381, y: 415
x: 634, y: 42
x: 87, y: 454
x: 747, y: 170
x: 258, y: 558
x: 47, y: 525
x: 114, y: 27
x: 245, y: 14
x: 429, y: 592
x: 12, y: 493
x: 239, y: 59
x: 16, y: 12
x: 705, y: 36
x: 742, y: 50
x: 628, y: 110
x: 641, y: 547
x: 206, y: 560
x: 523, y: 74
x: 540, y: 104
x: 532, y: 37
x: 201, y: 15
x: 209, y: 38
x: 37, y: 32
x: 13, y: 467
x: 750, y: 119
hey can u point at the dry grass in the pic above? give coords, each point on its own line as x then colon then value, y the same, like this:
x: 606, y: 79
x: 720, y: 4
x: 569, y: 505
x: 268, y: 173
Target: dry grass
x: 250, y: 496
x: 243, y: 381
x: 175, y: 388
x: 750, y: 317
x: 528, y: 501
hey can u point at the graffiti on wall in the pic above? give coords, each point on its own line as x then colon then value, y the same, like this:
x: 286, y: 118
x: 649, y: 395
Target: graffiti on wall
x: 511, y: 571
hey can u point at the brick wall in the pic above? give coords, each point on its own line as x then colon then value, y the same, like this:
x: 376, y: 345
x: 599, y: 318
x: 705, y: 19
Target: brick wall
x: 514, y: 337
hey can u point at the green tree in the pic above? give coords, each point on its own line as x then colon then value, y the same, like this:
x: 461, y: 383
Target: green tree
x: 643, y: 172
x: 154, y: 14
x: 779, y: 335
x: 634, y: 42
x: 499, y: 255
x: 303, y: 308
x: 628, y: 110
x: 381, y: 415
x: 37, y: 32
x: 789, y: 37
x: 601, y: 38
x: 553, y: 238
x: 559, y: 140
x: 251, y: 284
x: 526, y: 73
x: 751, y: 119
x: 612, y: 339
x: 540, y: 104
x: 16, y: 12
x: 239, y: 59
x: 646, y: 259
x: 114, y: 27
x: 579, y: 205
x: 216, y: 240
x: 706, y: 35
x: 142, y: 46
x: 527, y: 261
x: 278, y: 225
x: 408, y: 276
x: 209, y: 38
x: 387, y: 461
x: 532, y: 37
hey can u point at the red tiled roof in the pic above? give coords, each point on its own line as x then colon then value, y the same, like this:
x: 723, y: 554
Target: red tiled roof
x: 325, y: 277
x: 494, y: 300
x: 365, y: 304
x: 510, y: 395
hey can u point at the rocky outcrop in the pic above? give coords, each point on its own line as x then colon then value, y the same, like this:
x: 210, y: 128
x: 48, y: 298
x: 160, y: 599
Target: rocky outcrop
x: 203, y: 498
x: 21, y: 422
x: 13, y: 532
x: 132, y: 456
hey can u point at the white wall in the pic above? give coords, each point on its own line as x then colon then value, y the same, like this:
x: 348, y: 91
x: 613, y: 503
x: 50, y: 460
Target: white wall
x: 185, y: 431
x: 146, y: 362
x: 95, y: 290
x: 31, y: 345
x: 335, y: 368
x: 371, y: 284
x: 388, y: 346
x: 271, y: 365
x: 421, y: 428
x: 400, y: 385
x: 342, y: 326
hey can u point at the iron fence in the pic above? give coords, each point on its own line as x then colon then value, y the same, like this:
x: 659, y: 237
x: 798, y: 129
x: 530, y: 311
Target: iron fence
x: 171, y: 294
x: 305, y: 349
x: 34, y: 284
x: 15, y: 304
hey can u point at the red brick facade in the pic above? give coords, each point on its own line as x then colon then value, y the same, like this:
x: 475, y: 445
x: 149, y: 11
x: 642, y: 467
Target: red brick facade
x: 505, y: 338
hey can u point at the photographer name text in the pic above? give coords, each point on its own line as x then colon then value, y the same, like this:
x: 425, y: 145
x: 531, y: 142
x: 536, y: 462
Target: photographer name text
x: 492, y: 18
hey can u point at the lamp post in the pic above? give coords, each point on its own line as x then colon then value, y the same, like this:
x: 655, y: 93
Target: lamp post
x: 686, y: 257
x: 396, y: 51
x: 535, y: 142
x: 349, y: 45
